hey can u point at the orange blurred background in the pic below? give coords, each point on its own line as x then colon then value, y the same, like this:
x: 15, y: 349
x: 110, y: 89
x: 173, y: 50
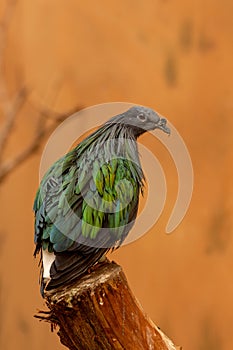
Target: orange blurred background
x: 175, y: 57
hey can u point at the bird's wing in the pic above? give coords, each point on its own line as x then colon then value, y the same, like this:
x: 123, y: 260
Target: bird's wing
x: 53, y: 206
x: 91, y: 205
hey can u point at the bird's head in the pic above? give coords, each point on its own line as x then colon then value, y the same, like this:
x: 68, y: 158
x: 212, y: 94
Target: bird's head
x: 140, y: 119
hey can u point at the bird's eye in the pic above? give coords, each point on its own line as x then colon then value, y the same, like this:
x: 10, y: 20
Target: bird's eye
x: 141, y: 117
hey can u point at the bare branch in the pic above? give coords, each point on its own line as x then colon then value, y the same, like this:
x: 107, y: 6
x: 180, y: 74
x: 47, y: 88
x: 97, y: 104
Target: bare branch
x: 41, y: 131
x: 11, y: 164
x: 11, y: 113
x: 59, y: 117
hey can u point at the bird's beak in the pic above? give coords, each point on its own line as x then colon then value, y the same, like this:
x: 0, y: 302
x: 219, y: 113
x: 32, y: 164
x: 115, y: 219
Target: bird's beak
x: 162, y: 125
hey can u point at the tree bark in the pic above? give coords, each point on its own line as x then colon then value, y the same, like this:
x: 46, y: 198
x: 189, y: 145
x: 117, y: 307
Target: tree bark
x: 99, y: 312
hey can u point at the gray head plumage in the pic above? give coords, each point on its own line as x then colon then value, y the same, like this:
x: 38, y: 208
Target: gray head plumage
x: 140, y: 119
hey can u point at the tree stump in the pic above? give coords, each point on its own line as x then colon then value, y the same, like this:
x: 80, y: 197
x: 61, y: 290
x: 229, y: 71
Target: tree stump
x: 99, y: 312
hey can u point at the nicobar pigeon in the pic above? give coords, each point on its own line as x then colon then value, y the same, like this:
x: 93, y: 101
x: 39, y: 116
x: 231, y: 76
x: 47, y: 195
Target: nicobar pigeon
x: 87, y: 201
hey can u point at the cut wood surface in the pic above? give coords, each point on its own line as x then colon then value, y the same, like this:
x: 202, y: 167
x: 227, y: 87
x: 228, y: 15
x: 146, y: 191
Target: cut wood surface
x: 99, y: 312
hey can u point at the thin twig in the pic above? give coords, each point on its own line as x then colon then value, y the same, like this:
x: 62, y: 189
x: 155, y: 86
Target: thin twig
x: 10, y: 115
x: 41, y: 131
x: 59, y: 117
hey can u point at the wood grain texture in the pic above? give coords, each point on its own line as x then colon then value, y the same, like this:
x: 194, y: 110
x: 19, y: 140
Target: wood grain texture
x: 99, y: 311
